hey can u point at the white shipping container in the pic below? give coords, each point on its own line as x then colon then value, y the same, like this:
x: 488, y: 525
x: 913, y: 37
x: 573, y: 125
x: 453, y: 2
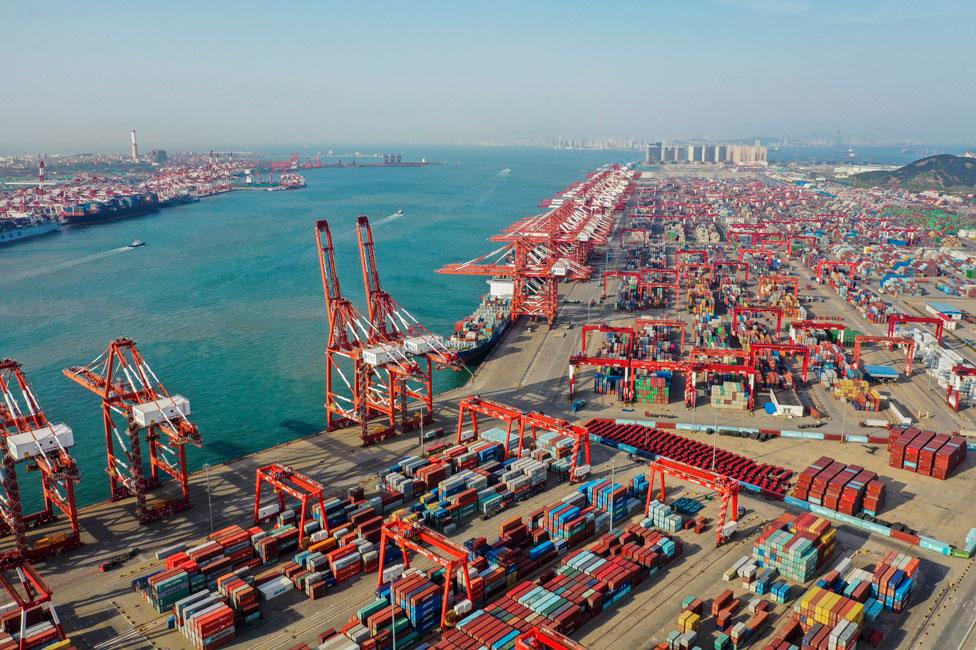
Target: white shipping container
x: 268, y: 511
x: 275, y: 588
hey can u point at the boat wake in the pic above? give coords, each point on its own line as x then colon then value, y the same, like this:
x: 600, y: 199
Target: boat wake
x: 388, y: 218
x: 61, y: 266
x: 505, y: 172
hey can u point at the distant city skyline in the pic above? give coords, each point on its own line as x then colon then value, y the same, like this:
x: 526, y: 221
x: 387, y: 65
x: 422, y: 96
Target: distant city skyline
x: 239, y: 75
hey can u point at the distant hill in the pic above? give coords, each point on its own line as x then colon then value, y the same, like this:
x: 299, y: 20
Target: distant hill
x: 944, y: 172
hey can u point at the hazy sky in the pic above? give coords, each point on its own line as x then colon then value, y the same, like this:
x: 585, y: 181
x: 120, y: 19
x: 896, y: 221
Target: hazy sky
x: 79, y: 75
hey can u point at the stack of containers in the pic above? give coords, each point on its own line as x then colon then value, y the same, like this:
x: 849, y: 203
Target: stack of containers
x: 652, y: 389
x: 212, y: 627
x: 659, y: 515
x: 828, y: 615
x: 241, y: 596
x: 729, y: 395
x: 606, y: 496
x: 421, y: 599
x: 796, y: 546
x: 925, y: 452
x: 893, y: 580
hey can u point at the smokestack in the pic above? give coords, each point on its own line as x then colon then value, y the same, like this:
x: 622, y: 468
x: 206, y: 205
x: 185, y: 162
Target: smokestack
x: 40, y: 174
x: 135, y: 148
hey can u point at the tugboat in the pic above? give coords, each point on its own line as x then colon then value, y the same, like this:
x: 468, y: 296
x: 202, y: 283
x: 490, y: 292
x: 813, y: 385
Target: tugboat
x: 136, y: 243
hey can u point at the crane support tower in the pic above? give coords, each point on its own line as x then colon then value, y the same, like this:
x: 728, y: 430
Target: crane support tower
x: 475, y: 405
x: 889, y: 341
x: 31, y: 440
x: 129, y: 388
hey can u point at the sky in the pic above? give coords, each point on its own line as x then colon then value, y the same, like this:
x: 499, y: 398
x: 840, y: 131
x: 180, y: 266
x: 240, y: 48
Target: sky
x: 77, y: 76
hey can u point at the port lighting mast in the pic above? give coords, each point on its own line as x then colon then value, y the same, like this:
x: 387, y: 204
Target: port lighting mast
x: 29, y: 438
x: 129, y: 388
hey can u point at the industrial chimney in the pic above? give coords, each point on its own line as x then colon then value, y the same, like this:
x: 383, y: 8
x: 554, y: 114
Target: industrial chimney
x: 135, y: 148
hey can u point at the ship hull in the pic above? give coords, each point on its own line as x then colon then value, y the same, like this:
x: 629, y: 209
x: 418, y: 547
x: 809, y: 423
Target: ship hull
x: 27, y: 232
x: 107, y: 214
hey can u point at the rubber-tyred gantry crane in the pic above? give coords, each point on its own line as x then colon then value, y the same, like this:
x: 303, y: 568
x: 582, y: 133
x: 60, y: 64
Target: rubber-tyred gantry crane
x: 287, y: 482
x: 777, y: 280
x: 667, y: 324
x: 736, y: 266
x: 755, y: 349
x: 833, y: 264
x: 889, y: 341
x: 412, y: 537
x: 537, y: 422
x: 29, y: 616
x: 29, y: 438
x: 127, y: 386
x: 727, y: 487
x: 960, y: 373
x: 897, y: 319
x: 826, y: 325
x: 805, y: 239
x: 752, y: 311
x: 475, y: 405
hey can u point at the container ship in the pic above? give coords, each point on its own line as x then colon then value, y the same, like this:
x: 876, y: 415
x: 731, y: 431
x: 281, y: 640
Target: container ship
x: 20, y: 226
x: 117, y: 207
x: 475, y: 336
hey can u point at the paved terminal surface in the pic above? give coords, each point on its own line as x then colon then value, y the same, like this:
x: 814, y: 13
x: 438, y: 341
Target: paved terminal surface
x: 529, y: 370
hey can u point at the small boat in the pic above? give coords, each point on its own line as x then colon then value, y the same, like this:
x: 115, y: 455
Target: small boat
x: 398, y: 213
x: 136, y: 243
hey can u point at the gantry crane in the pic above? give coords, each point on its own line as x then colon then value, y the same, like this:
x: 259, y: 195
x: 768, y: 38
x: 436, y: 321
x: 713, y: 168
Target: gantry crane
x: 897, y: 319
x: 826, y: 325
x: 666, y: 324
x: 756, y: 348
x: 726, y: 486
x: 412, y: 537
x: 800, y: 238
x: 540, y: 251
x: 889, y: 341
x: 348, y: 331
x: 30, y: 606
x: 393, y: 327
x: 751, y: 311
x: 475, y: 405
x: 127, y: 386
x: 28, y: 437
x: 581, y: 439
x: 831, y: 264
x: 736, y: 266
x: 776, y: 280
x: 960, y: 374
x: 285, y: 481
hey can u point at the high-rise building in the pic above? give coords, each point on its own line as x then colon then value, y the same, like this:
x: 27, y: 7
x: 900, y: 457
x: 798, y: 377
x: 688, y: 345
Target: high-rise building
x: 135, y: 147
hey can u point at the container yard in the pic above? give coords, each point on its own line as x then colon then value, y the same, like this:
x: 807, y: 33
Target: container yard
x: 739, y: 339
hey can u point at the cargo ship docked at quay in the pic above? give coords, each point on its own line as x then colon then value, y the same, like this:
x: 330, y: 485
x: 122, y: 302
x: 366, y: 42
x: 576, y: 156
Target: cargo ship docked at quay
x: 118, y: 207
x: 475, y: 336
x: 18, y: 227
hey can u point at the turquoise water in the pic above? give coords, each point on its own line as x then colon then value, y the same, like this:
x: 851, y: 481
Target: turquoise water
x: 225, y: 300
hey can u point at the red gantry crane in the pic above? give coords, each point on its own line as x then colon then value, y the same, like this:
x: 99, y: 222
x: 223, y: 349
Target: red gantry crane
x: 755, y: 349
x: 889, y: 341
x: 410, y: 379
x: 475, y: 405
x: 897, y: 319
x: 128, y: 387
x: 413, y: 537
x: 727, y: 488
x: 29, y: 616
x: 348, y: 331
x: 752, y: 311
x: 960, y: 374
x: 581, y: 440
x: 826, y: 325
x: 832, y: 264
x: 287, y: 482
x: 29, y: 438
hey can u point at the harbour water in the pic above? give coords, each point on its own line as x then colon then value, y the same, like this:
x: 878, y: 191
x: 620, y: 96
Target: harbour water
x: 225, y: 299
